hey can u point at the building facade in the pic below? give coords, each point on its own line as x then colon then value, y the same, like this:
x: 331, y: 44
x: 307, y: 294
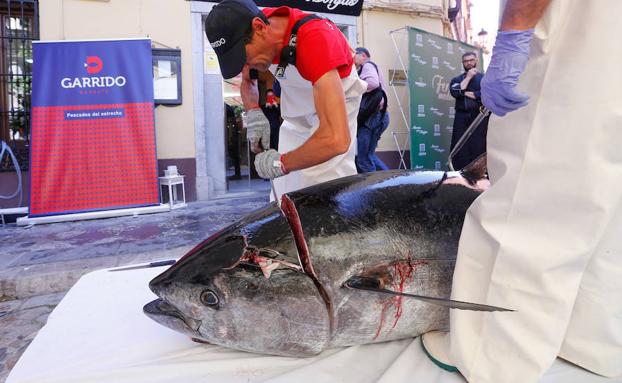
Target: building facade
x: 202, y: 136
x: 382, y: 29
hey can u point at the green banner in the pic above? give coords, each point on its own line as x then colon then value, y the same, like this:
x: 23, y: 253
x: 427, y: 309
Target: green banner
x: 433, y: 61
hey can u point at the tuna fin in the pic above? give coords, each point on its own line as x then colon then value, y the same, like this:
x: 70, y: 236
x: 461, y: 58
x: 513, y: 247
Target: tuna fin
x: 373, y: 284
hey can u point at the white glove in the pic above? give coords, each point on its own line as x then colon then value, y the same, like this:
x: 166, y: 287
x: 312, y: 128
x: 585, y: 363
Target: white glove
x: 257, y: 128
x: 268, y: 164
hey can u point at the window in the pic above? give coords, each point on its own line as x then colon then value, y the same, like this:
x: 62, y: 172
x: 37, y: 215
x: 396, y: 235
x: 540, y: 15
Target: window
x: 18, y: 28
x: 167, y: 76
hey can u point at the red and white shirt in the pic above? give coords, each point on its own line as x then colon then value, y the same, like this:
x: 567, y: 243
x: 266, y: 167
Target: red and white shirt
x: 320, y: 45
x: 320, y: 48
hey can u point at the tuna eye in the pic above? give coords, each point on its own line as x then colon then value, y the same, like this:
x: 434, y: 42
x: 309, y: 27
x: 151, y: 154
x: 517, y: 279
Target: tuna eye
x: 209, y: 298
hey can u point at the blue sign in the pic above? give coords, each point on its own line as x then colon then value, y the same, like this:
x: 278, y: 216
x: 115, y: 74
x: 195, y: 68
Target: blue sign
x: 91, y: 72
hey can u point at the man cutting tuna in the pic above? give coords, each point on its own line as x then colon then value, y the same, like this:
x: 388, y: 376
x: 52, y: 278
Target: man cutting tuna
x: 544, y: 239
x: 320, y: 95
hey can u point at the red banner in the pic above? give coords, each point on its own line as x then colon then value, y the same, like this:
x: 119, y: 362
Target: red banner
x: 93, y: 135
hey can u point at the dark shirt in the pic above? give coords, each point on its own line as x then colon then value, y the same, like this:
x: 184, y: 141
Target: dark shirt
x: 463, y: 103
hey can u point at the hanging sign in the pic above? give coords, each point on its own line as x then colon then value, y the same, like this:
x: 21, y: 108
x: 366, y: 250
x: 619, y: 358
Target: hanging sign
x: 339, y: 7
x: 93, y: 134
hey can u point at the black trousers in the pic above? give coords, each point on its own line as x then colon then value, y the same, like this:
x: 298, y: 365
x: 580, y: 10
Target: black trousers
x: 475, y: 145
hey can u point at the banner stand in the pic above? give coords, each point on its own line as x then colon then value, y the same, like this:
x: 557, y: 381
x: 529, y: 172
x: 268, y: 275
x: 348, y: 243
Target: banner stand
x: 26, y: 221
x: 395, y: 133
x: 435, y: 130
x: 433, y: 62
x: 93, y: 143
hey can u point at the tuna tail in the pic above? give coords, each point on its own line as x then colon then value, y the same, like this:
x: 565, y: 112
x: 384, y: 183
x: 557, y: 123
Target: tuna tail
x: 373, y: 284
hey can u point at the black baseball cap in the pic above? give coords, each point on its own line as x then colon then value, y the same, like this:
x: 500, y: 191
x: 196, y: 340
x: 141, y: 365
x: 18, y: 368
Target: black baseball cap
x: 363, y: 50
x: 225, y: 28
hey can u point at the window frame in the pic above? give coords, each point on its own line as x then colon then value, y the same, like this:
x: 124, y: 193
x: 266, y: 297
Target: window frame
x: 173, y: 56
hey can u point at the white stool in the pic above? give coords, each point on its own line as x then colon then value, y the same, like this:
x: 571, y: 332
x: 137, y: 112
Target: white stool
x: 172, y: 183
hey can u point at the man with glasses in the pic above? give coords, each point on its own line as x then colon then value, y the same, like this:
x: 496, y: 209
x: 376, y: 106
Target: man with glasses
x: 466, y: 90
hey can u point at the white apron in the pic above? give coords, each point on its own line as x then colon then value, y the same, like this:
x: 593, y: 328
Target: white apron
x: 546, y: 238
x: 300, y: 121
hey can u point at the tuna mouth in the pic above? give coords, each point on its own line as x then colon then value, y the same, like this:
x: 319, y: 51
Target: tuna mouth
x: 168, y: 315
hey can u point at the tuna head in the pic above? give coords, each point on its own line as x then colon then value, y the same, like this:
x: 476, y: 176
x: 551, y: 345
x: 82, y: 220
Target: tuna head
x: 243, y: 288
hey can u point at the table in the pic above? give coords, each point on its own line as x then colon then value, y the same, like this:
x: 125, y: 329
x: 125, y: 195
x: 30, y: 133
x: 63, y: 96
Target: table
x: 98, y: 333
x: 172, y: 182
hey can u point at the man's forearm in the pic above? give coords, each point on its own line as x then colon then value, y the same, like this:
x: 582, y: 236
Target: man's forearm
x: 522, y: 14
x: 332, y: 137
x: 318, y: 149
x: 465, y: 83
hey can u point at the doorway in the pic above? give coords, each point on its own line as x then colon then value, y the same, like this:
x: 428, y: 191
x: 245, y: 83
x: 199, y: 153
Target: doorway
x: 240, y: 168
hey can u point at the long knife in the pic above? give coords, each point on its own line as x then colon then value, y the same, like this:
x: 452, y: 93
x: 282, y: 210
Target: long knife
x: 276, y: 198
x: 278, y: 203
x: 372, y: 284
x: 483, y: 113
x: 168, y: 262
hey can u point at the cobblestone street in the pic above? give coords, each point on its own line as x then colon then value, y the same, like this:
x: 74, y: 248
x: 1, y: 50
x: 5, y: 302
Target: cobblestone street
x: 38, y: 265
x: 20, y: 320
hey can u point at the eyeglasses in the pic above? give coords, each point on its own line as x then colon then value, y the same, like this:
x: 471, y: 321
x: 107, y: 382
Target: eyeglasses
x: 468, y: 60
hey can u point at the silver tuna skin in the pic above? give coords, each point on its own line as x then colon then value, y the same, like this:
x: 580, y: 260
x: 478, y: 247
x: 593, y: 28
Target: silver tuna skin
x: 275, y: 282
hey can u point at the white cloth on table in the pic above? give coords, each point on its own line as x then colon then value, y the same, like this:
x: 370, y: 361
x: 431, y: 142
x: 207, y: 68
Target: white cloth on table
x: 98, y: 333
x: 545, y: 238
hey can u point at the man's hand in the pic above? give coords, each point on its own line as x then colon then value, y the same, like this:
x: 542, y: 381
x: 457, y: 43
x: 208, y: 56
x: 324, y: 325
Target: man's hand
x: 470, y: 94
x: 257, y: 129
x: 509, y: 58
x: 467, y: 79
x: 268, y: 164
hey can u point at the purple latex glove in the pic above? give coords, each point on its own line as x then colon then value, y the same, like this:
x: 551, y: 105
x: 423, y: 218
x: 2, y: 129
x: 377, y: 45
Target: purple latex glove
x: 509, y: 58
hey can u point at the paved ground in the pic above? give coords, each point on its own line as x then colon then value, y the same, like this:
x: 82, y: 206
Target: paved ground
x: 39, y: 264
x: 20, y: 320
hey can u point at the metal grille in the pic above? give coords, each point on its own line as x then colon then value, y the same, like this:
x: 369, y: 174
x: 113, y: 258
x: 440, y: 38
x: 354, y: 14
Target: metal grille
x: 19, y: 26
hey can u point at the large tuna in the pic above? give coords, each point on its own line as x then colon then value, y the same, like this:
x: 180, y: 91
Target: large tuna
x: 292, y: 281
